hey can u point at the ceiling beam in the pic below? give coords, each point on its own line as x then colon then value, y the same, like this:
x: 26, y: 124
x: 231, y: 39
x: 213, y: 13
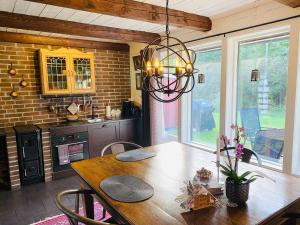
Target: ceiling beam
x: 136, y: 10
x: 66, y: 42
x: 291, y: 3
x: 20, y: 21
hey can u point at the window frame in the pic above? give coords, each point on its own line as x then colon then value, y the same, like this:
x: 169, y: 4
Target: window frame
x: 235, y: 42
x: 186, y: 102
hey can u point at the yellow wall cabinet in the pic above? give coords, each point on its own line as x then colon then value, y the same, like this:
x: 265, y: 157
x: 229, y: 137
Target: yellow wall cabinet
x: 67, y: 71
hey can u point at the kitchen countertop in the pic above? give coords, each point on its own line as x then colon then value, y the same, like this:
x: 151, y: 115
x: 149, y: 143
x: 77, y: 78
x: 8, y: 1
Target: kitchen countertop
x: 59, y: 125
x: 48, y: 126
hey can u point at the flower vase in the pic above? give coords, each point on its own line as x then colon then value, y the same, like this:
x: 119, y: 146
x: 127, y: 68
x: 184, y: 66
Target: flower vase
x: 237, y: 193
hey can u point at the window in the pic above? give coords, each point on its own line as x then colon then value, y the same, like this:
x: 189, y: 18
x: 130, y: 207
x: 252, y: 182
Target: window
x: 261, y: 104
x: 205, y: 99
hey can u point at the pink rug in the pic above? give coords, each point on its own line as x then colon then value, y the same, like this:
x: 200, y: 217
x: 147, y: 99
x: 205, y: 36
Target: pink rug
x: 63, y: 220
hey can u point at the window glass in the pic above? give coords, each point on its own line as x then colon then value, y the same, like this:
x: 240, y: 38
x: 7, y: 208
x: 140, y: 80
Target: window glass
x: 261, y: 104
x: 205, y: 99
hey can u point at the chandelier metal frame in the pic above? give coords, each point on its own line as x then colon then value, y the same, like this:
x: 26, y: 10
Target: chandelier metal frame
x: 178, y: 82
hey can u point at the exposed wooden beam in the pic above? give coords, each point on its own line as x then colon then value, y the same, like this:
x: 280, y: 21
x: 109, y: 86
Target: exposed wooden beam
x: 291, y: 3
x: 20, y: 21
x: 66, y: 42
x: 135, y: 10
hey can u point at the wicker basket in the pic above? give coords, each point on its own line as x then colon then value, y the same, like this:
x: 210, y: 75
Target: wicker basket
x: 237, y: 193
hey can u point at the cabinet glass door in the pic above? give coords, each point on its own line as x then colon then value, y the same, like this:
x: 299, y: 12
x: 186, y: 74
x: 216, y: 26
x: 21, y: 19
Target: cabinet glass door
x: 82, y: 74
x: 57, y: 79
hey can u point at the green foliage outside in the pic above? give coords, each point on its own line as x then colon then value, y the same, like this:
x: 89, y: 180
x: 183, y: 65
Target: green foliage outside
x: 271, y: 58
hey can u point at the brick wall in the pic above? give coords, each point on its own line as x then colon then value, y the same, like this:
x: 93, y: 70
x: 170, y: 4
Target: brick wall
x: 112, y: 71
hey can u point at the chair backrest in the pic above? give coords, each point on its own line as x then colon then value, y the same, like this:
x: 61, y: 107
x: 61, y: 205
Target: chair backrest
x: 250, y: 121
x: 119, y: 146
x: 246, y: 156
x: 74, y: 216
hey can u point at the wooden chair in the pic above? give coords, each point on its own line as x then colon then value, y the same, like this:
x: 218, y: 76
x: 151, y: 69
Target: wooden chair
x: 248, y: 153
x: 127, y: 146
x: 88, y: 203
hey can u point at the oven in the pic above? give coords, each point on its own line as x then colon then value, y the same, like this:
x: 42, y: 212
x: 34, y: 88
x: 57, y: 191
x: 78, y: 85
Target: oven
x: 68, y: 148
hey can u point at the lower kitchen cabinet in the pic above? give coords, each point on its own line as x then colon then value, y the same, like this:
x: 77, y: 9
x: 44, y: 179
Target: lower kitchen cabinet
x: 101, y: 135
x: 128, y: 130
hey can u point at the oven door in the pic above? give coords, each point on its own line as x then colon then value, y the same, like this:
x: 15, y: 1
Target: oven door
x: 76, y: 151
x: 65, y: 154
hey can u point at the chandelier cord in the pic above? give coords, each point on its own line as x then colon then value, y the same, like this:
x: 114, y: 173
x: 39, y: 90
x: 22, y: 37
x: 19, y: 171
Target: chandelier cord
x: 167, y: 15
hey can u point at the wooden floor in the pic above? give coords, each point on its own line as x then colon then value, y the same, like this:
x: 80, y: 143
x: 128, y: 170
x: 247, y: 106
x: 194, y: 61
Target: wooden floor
x: 34, y: 202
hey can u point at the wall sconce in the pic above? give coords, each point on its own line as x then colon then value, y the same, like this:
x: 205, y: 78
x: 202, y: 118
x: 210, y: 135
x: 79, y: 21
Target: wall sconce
x: 255, y: 75
x: 201, y: 78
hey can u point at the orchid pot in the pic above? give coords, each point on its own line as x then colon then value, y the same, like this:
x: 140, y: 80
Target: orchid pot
x: 237, y: 192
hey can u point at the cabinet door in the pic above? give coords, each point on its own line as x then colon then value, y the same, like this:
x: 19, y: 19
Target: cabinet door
x: 31, y: 169
x: 101, y: 135
x: 55, y: 74
x: 82, y: 67
x: 30, y: 148
x: 127, y: 130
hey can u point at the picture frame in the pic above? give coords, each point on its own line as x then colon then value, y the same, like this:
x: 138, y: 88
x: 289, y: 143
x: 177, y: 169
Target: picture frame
x: 138, y: 80
x: 137, y: 62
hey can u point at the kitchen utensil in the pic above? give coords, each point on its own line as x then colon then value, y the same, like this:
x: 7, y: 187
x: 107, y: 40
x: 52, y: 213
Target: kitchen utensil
x: 23, y: 82
x: 71, y: 117
x: 14, y: 93
x: 11, y: 70
x: 73, y: 108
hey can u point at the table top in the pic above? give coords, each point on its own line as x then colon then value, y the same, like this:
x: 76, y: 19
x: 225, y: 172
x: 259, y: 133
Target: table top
x: 166, y: 173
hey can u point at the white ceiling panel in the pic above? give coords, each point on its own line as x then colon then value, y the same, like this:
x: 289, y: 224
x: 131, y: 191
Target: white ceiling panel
x: 7, y: 6
x: 21, y: 6
x: 11, y: 30
x: 35, y: 9
x: 51, y: 11
x: 65, y: 14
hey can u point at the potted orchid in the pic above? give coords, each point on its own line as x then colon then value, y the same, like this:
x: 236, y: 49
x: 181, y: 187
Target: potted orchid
x: 237, y: 186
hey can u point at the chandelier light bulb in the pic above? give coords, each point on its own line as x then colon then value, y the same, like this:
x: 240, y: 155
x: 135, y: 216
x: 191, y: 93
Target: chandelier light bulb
x: 149, y: 68
x: 188, y: 68
x: 178, y: 67
x: 156, y: 67
x: 156, y: 63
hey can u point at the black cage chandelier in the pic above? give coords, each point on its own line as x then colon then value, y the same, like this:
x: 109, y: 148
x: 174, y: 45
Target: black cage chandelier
x: 168, y: 67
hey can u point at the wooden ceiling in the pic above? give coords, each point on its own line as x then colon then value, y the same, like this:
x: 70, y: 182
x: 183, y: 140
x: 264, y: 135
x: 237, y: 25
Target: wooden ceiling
x: 137, y: 11
x: 20, y: 21
x: 140, y: 20
x: 291, y: 3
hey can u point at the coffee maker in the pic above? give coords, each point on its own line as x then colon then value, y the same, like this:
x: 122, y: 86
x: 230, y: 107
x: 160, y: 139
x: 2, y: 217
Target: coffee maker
x: 129, y: 110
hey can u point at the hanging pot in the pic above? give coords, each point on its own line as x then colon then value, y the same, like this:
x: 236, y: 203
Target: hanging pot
x: 23, y: 82
x: 237, y: 193
x: 14, y: 93
x: 12, y: 71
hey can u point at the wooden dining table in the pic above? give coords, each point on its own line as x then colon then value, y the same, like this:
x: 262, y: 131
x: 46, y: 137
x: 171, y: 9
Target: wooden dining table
x: 174, y: 164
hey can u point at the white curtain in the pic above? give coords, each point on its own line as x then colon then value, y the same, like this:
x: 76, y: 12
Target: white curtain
x: 156, y: 122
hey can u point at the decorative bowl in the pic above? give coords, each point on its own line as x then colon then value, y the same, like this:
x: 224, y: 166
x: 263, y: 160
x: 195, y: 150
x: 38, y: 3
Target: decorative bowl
x: 72, y: 117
